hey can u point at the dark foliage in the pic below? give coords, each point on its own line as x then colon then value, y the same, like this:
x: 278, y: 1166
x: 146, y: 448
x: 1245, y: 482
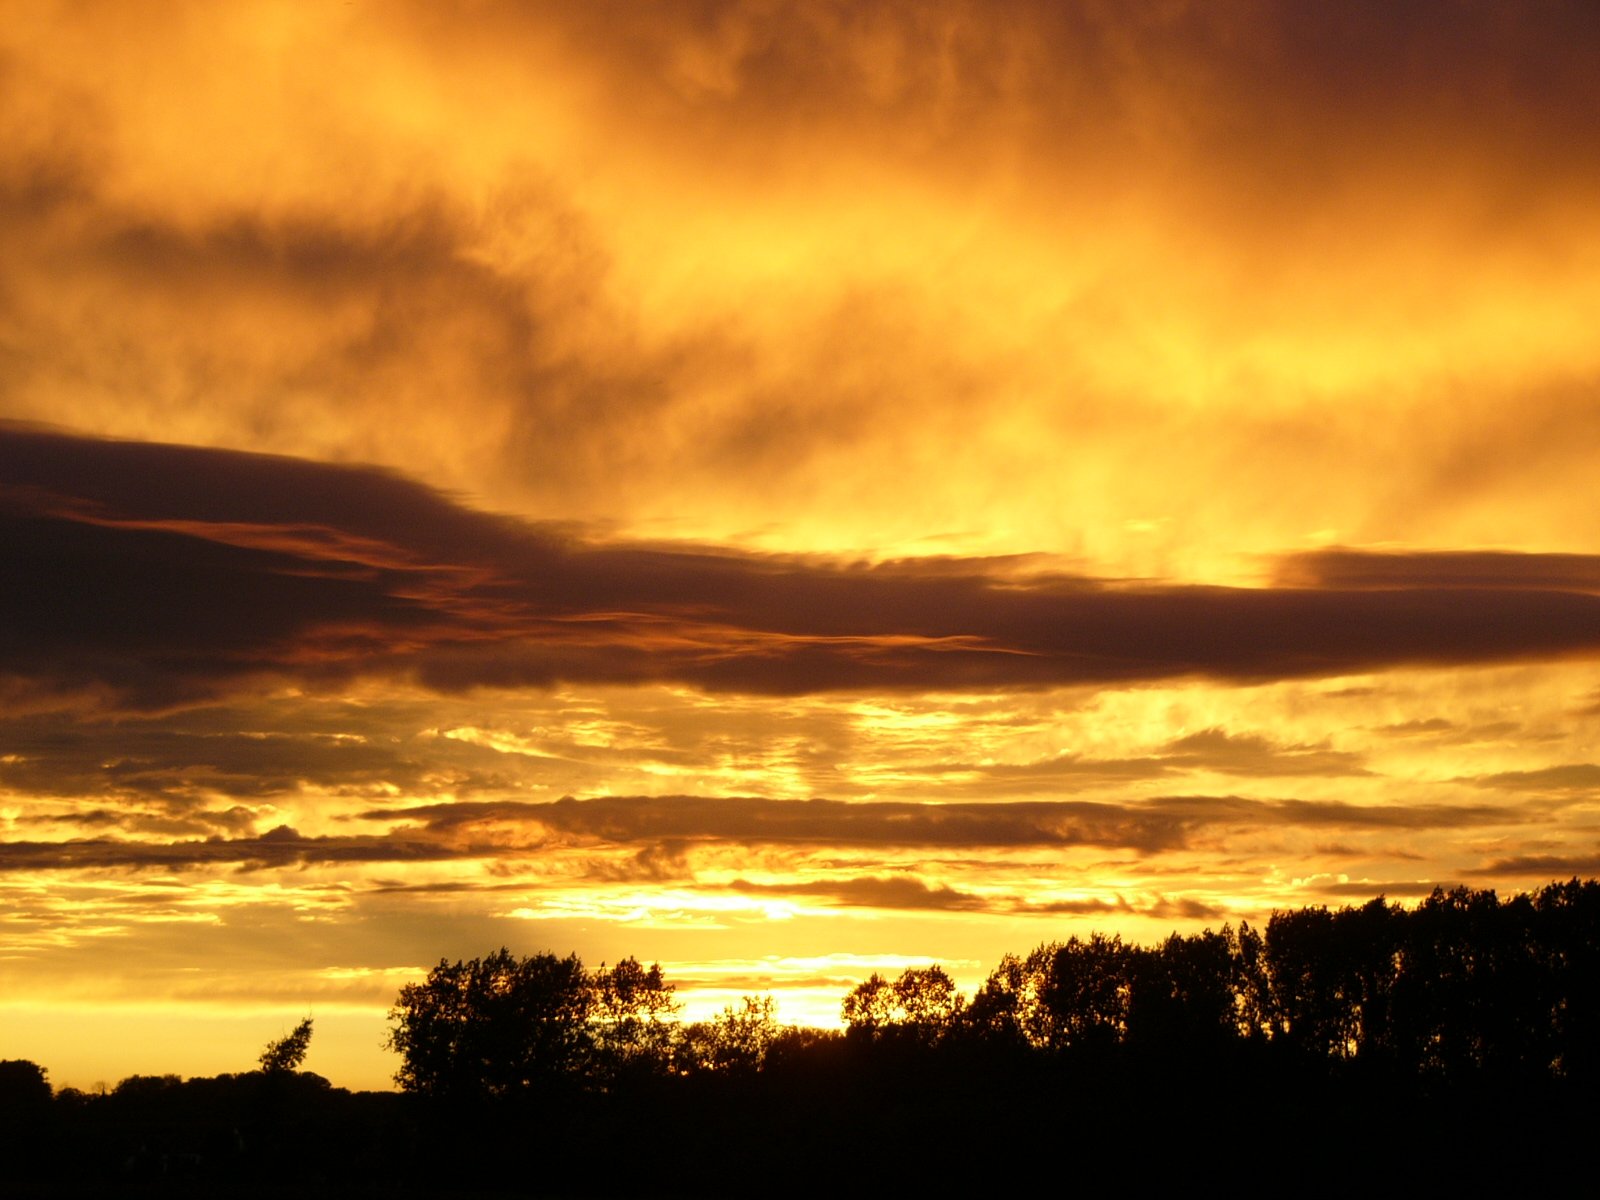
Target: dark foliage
x: 24, y: 1088
x: 508, y: 1027
x: 1456, y: 1043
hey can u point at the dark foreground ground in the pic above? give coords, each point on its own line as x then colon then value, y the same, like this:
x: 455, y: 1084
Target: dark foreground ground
x: 852, y: 1121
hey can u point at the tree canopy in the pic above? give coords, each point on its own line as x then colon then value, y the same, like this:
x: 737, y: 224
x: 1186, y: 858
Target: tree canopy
x: 503, y: 1025
x: 1462, y: 985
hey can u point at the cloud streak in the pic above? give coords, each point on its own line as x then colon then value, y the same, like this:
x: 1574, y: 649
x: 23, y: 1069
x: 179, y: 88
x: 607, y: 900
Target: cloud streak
x: 666, y: 826
x: 278, y: 847
x: 163, y: 575
x: 1149, y: 826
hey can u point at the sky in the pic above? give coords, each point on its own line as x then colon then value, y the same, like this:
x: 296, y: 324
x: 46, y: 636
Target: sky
x: 782, y: 490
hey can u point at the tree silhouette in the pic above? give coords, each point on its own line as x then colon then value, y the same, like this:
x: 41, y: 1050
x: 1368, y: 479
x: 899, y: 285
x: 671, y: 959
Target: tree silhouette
x: 503, y: 1025
x: 1462, y: 987
x: 1086, y: 992
x: 1183, y: 993
x: 288, y: 1052
x: 1567, y: 916
x: 1472, y: 995
x: 922, y: 1004
x: 493, y: 1026
x: 869, y: 1006
x: 997, y: 1011
x: 929, y: 999
x: 631, y: 1013
x: 1312, y: 988
x: 24, y: 1088
x: 1252, y: 1004
x: 1475, y: 1022
x: 734, y: 1042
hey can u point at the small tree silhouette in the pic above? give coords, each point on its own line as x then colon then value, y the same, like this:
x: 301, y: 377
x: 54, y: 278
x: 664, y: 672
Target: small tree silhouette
x: 288, y: 1052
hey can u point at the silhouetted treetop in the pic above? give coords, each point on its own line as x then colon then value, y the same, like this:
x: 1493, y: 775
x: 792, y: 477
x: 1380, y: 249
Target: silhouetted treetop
x: 503, y: 1025
x: 24, y: 1088
x: 288, y: 1052
x: 922, y: 1004
x: 735, y: 1042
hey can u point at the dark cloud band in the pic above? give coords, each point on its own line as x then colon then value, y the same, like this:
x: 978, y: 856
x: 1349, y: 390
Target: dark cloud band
x: 158, y: 575
x: 661, y: 827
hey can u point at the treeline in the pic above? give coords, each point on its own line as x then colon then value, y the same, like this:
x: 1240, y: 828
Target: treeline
x: 1461, y: 987
x: 1455, y: 1040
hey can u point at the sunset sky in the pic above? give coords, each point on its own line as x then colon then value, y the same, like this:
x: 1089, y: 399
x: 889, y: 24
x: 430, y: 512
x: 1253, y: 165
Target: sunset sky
x: 784, y: 490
